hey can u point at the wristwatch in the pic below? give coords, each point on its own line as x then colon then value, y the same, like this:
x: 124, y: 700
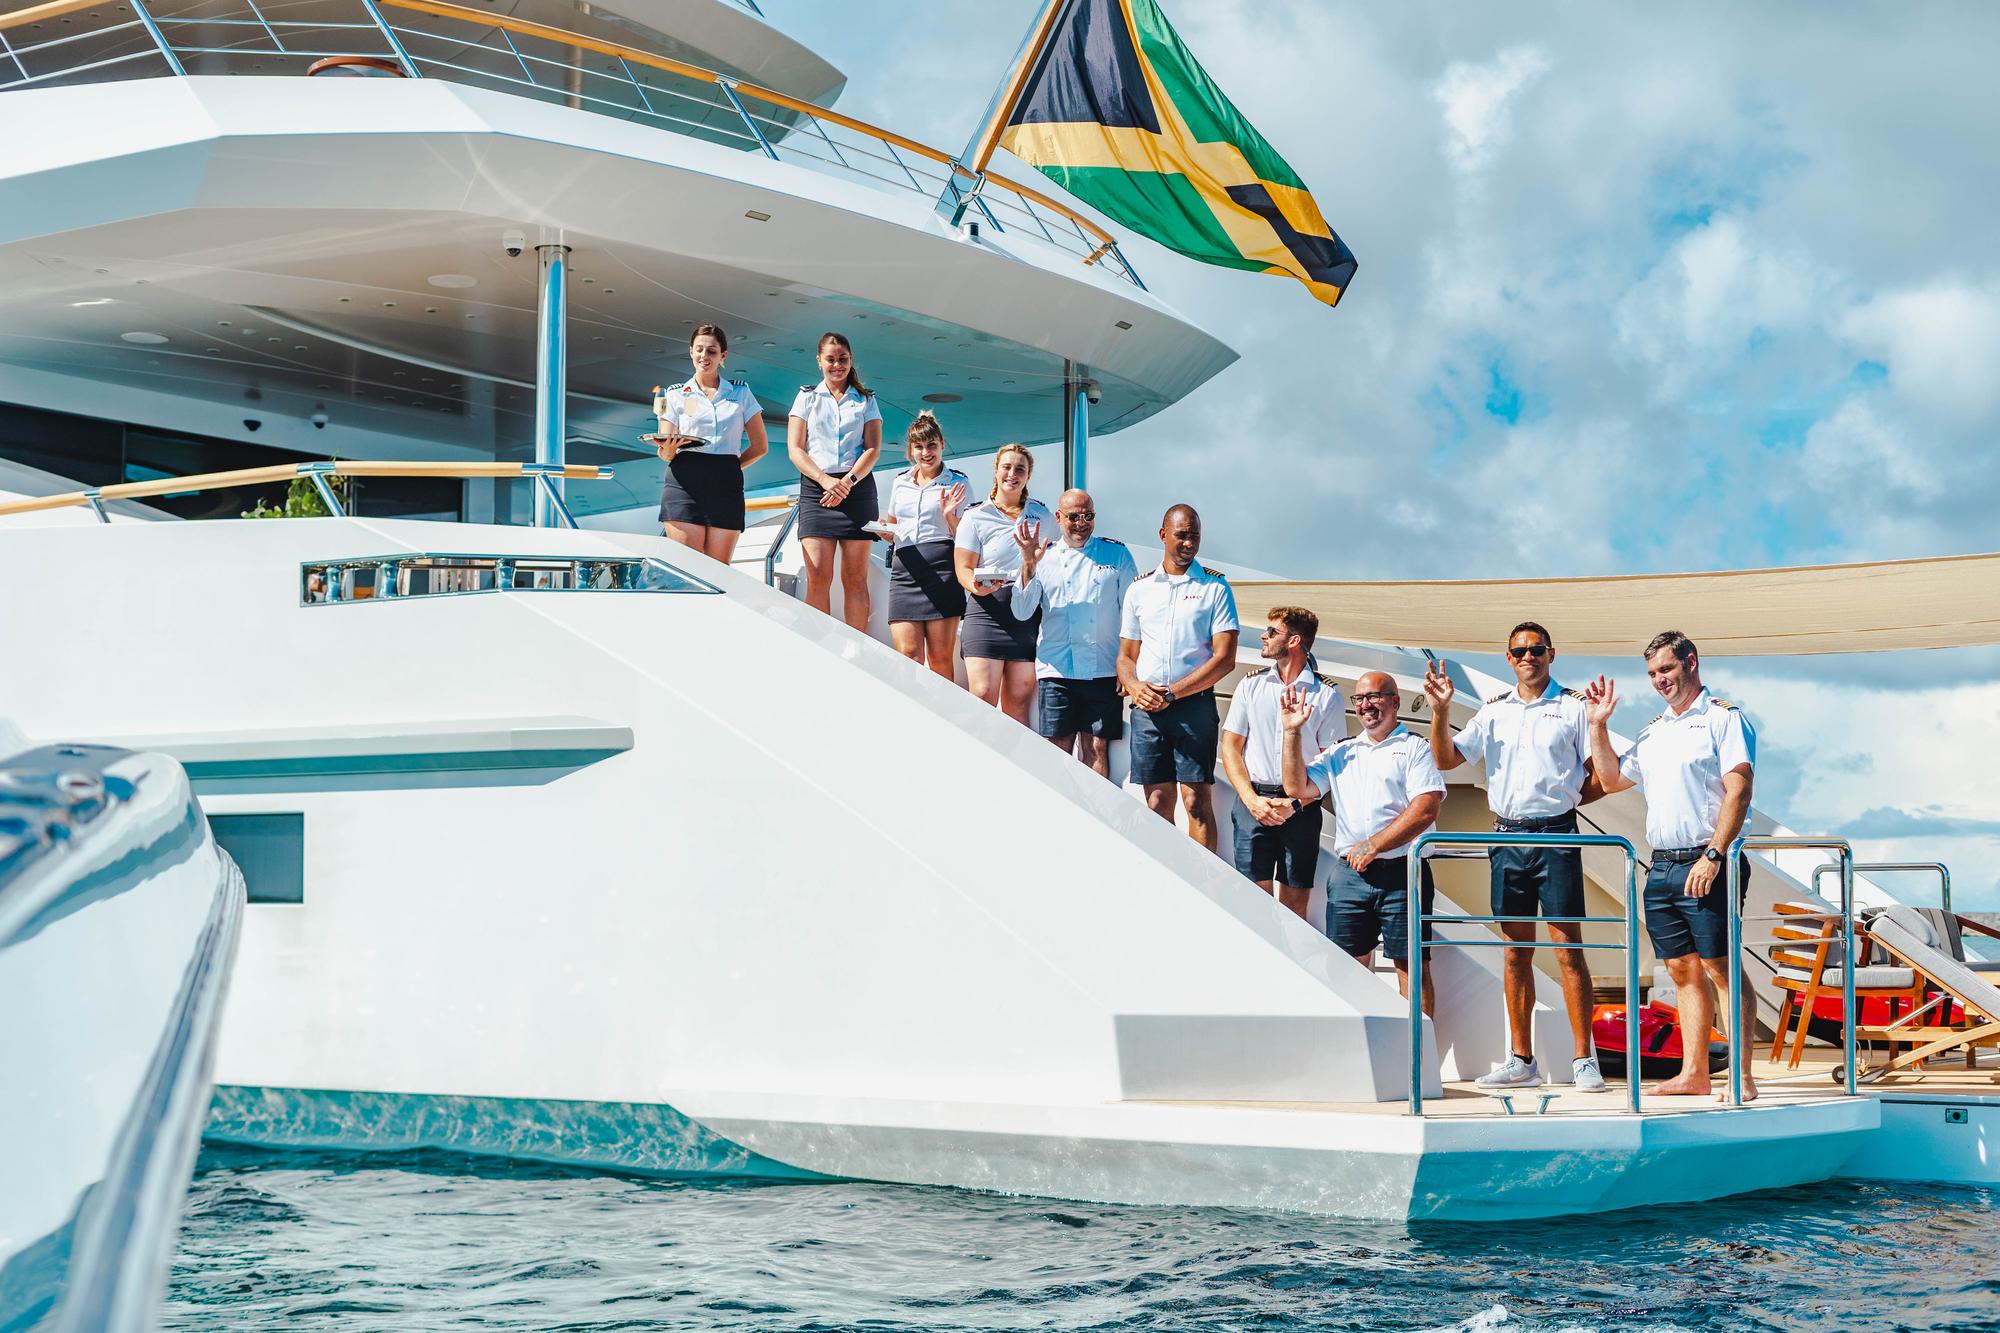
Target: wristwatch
x: 1166, y: 694
x: 1711, y: 856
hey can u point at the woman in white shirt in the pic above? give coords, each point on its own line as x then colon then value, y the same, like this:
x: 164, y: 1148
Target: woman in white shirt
x: 998, y: 646
x: 703, y: 425
x: 925, y: 601
x: 834, y: 438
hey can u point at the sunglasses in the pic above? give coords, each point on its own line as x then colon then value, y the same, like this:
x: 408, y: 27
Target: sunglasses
x: 1078, y: 513
x: 1373, y: 697
x: 1273, y: 631
x: 1536, y: 650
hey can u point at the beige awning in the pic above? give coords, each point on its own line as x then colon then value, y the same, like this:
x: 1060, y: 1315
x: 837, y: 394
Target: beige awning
x: 1883, y: 606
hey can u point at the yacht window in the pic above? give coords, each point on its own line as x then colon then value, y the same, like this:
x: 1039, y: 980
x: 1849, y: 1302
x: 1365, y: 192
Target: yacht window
x: 271, y: 852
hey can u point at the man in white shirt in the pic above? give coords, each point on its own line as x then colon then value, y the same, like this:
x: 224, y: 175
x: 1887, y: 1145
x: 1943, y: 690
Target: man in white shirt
x: 1079, y: 583
x: 1177, y: 640
x: 1277, y: 838
x: 1534, y: 744
x: 1386, y: 792
x: 1695, y: 761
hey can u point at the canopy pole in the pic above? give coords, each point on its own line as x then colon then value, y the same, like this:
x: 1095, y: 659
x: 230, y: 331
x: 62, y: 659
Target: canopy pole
x: 1076, y: 428
x: 551, y: 382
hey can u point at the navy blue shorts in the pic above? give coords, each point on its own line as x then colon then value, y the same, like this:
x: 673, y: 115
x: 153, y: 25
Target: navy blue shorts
x: 1286, y: 853
x: 1680, y: 925
x: 1073, y: 707
x: 1373, y: 907
x: 1538, y: 881
x: 1176, y: 744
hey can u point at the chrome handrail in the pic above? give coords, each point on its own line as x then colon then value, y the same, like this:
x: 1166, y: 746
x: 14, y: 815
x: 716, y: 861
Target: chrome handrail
x: 1942, y: 870
x: 778, y: 544
x: 1734, y: 881
x: 1420, y: 849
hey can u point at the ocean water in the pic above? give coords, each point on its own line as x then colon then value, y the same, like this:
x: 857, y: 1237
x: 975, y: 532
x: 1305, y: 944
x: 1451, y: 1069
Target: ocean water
x: 429, y: 1241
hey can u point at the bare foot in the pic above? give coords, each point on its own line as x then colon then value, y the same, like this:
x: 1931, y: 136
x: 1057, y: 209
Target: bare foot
x: 1684, y: 1085
x: 1749, y: 1090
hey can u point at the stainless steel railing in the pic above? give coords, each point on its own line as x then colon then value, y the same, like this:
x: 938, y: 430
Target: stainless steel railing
x: 414, y: 574
x: 1486, y: 841
x: 1938, y: 868
x: 1734, y: 881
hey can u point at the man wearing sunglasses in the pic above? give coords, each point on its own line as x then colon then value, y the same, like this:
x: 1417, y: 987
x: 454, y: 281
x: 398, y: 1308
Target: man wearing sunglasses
x: 1535, y: 743
x: 1277, y: 838
x: 1079, y: 583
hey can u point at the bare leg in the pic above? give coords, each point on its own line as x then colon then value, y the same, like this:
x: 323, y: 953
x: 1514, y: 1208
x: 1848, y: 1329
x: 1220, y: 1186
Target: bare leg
x: 1403, y: 983
x: 1199, y: 798
x: 817, y: 552
x: 1296, y: 898
x: 688, y: 534
x: 909, y: 638
x: 1518, y: 982
x: 721, y: 544
x: 1697, y: 1011
x: 1160, y: 799
x: 983, y: 676
x: 1094, y: 752
x: 1576, y: 986
x: 1746, y: 1014
x: 1067, y: 744
x: 940, y: 642
x: 1017, y: 691
x: 854, y: 594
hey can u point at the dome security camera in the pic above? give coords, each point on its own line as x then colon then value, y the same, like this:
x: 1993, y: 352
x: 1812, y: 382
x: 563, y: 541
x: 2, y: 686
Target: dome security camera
x: 1093, y: 392
x: 318, y: 420
x: 513, y: 242
x: 252, y: 423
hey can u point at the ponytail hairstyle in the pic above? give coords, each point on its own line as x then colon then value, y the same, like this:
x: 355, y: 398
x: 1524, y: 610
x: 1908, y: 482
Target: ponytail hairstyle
x: 925, y: 427
x: 1000, y: 458
x: 853, y: 371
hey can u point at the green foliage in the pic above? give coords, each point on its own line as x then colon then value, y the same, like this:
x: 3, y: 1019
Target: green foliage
x: 302, y: 500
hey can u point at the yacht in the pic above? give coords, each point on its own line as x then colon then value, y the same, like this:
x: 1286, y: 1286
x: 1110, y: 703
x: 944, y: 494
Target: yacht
x: 563, y: 842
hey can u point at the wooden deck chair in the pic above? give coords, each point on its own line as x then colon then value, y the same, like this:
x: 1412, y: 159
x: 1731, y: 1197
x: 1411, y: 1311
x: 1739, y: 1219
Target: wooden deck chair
x: 1808, y: 965
x: 1905, y: 935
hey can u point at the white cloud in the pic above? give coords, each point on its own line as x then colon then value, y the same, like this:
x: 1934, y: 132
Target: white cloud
x: 1474, y: 98
x: 1853, y: 452
x: 1940, y: 341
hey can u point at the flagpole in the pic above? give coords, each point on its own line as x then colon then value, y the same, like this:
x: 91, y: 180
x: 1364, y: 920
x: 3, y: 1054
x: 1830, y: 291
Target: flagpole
x: 981, y: 149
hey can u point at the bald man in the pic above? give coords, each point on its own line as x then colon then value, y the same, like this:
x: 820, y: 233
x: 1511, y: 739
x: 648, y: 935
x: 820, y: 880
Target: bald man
x: 1386, y: 792
x: 1079, y: 583
x: 1177, y: 640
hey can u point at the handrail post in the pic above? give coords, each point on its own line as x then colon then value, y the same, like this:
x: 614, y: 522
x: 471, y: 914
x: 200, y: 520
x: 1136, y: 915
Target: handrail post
x: 1847, y: 964
x: 159, y: 38
x: 728, y: 87
x: 318, y: 473
x: 1413, y: 881
x: 1632, y: 1086
x: 95, y: 499
x: 545, y: 475
x: 778, y: 545
x: 1732, y: 879
x: 1768, y: 843
x: 395, y: 42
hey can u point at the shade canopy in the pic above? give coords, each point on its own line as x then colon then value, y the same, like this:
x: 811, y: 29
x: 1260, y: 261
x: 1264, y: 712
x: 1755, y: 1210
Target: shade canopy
x: 1881, y: 606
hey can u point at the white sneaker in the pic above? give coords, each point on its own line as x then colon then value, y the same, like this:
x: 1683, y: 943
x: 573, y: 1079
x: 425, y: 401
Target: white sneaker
x: 1516, y: 1073
x: 1584, y: 1075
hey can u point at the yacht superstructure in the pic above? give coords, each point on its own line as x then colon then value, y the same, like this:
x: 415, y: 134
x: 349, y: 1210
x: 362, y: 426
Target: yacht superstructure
x: 568, y: 843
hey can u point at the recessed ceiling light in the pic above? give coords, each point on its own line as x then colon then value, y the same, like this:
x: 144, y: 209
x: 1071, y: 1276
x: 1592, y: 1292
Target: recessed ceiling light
x: 78, y: 305
x: 942, y: 398
x: 755, y: 216
x: 1124, y: 324
x: 144, y: 339
x: 452, y: 280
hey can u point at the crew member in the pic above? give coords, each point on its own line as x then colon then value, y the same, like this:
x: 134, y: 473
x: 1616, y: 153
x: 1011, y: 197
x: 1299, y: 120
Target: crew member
x: 1079, y: 583
x: 1534, y: 740
x: 1386, y: 792
x: 999, y: 645
x: 703, y: 425
x: 1277, y: 840
x: 1695, y: 762
x: 925, y: 601
x: 834, y: 437
x: 1177, y: 640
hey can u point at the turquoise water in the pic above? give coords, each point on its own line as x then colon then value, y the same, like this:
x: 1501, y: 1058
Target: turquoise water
x: 430, y: 1241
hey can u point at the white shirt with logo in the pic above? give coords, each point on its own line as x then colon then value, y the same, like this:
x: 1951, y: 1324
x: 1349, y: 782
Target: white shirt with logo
x: 918, y: 507
x: 987, y: 529
x: 1174, y: 618
x: 834, y: 435
x: 720, y: 420
x: 1534, y: 751
x: 1373, y: 782
x: 1254, y: 715
x: 1081, y: 590
x: 1679, y: 760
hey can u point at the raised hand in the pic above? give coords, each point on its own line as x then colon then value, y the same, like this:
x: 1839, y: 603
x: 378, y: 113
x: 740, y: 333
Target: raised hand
x: 1438, y: 688
x: 1028, y: 536
x: 1294, y: 709
x: 1600, y: 700
x: 950, y: 498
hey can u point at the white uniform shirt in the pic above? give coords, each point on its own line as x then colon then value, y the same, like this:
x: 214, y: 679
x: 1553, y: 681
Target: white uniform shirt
x: 1253, y: 714
x: 1081, y: 590
x: 1534, y: 751
x: 1372, y: 783
x: 988, y: 530
x: 719, y: 420
x: 1679, y: 761
x: 918, y: 508
x: 833, y: 425
x: 1174, y: 617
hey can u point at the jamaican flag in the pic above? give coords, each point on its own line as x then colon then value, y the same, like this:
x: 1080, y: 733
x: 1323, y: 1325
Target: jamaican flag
x: 1116, y: 109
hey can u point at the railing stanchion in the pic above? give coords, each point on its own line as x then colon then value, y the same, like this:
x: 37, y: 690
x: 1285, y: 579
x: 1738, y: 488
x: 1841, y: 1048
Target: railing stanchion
x: 1734, y: 881
x: 95, y: 499
x: 396, y: 43
x: 728, y: 87
x: 1938, y: 868
x: 1632, y: 1081
x: 1413, y: 877
x: 778, y: 545
x: 159, y: 38
x: 318, y: 473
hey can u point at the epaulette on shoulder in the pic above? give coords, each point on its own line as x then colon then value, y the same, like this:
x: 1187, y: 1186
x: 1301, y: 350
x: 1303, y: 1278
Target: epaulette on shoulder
x: 1113, y: 540
x: 1498, y: 697
x: 739, y: 383
x: 1720, y: 703
x: 1327, y: 680
x: 1260, y: 671
x: 807, y: 388
x: 1211, y: 573
x: 1574, y: 694
x: 976, y: 504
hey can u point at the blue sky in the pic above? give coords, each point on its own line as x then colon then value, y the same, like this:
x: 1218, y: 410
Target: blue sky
x: 1695, y: 287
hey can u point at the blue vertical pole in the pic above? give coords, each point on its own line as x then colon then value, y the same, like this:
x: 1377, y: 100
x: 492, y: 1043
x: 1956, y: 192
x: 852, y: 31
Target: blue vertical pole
x: 1076, y: 429
x: 551, y: 378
